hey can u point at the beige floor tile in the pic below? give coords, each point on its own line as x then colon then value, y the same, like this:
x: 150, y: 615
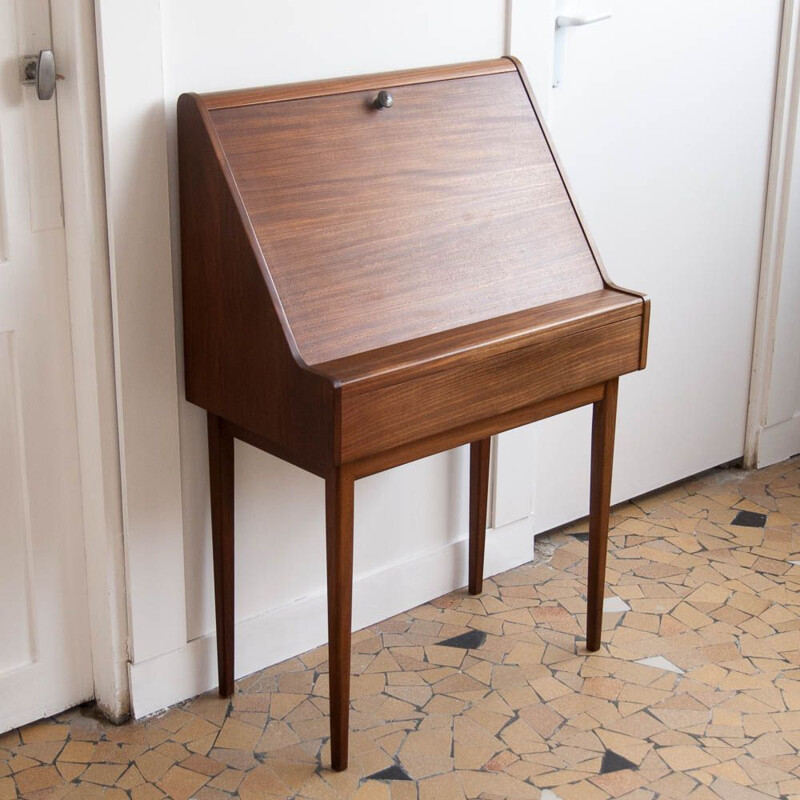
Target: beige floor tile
x: 153, y: 765
x: 373, y: 790
x: 529, y: 709
x: 69, y: 772
x: 146, y: 791
x: 685, y: 757
x: 180, y: 784
x: 173, y: 720
x: 37, y: 778
x: 228, y: 780
x: 238, y: 735
x: 620, y: 783
x: 262, y: 782
x: 93, y: 791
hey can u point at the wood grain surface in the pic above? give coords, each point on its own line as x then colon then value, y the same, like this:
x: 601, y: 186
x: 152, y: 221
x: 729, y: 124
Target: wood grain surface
x: 220, y: 462
x: 339, y: 498
x: 239, y: 358
x: 355, y: 83
x: 441, y: 351
x: 604, y: 420
x: 442, y: 211
x: 479, y: 456
x: 372, y: 421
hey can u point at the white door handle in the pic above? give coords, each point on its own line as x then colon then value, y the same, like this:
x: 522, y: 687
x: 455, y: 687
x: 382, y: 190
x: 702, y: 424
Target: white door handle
x: 572, y: 22
x: 563, y: 22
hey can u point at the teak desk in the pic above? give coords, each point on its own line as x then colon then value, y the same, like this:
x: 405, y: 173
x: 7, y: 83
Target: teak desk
x: 379, y: 268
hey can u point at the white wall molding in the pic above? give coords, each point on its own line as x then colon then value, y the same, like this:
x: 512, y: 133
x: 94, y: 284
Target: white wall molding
x: 512, y: 476
x: 779, y: 441
x: 776, y: 218
x: 296, y: 627
x: 92, y: 348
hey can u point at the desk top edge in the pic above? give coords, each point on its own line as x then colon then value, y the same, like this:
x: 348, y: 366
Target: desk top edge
x: 473, y: 341
x: 214, y: 101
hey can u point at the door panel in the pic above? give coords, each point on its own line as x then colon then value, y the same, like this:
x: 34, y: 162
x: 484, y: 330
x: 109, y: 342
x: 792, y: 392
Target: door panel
x: 662, y: 120
x: 45, y: 656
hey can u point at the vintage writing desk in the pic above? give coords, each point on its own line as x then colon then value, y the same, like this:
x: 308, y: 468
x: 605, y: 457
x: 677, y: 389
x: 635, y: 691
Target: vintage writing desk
x: 379, y: 268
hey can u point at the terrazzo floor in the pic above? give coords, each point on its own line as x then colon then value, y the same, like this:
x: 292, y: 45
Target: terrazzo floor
x: 694, y: 695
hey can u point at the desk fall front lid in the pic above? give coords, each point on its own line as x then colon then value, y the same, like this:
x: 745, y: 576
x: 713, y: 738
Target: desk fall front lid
x: 330, y: 246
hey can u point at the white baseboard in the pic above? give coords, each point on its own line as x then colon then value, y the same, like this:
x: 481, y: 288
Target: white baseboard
x: 779, y: 442
x: 289, y: 630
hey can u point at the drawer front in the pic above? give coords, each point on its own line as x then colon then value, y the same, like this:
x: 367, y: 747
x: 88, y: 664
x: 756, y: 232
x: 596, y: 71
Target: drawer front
x: 373, y: 421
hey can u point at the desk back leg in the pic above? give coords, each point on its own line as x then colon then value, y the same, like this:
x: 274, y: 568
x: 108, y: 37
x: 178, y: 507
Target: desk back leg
x: 220, y: 462
x: 339, y: 492
x: 478, y: 499
x: 603, y: 422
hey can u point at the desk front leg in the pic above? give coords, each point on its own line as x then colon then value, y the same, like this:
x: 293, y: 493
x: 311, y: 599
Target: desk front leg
x: 478, y: 500
x: 220, y: 462
x: 339, y: 493
x: 603, y: 424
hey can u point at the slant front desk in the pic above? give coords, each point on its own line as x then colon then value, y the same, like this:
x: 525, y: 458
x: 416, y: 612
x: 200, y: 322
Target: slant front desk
x: 379, y: 268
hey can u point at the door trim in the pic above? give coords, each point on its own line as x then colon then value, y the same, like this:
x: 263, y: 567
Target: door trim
x: 787, y: 100
x: 80, y: 142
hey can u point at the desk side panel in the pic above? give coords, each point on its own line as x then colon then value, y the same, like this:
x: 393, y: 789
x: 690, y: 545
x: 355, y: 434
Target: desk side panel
x: 238, y: 362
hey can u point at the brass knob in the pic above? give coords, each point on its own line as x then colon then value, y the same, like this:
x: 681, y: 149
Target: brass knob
x: 383, y: 100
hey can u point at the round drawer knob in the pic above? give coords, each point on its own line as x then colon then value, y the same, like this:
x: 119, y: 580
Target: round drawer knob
x: 384, y: 99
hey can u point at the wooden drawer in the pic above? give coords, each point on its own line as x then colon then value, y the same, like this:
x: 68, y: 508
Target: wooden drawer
x: 392, y: 415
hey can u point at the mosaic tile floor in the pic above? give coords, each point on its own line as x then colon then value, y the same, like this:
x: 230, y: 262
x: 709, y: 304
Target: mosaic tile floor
x: 694, y: 695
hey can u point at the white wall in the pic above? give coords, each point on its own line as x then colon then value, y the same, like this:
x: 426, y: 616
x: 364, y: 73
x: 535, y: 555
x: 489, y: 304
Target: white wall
x: 411, y: 523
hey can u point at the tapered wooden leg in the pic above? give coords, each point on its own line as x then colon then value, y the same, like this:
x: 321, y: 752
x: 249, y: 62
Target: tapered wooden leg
x: 478, y: 498
x: 339, y: 524
x: 603, y: 422
x: 220, y: 461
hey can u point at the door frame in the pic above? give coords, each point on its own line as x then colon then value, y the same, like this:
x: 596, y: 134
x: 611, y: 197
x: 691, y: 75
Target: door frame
x: 93, y: 348
x: 758, y: 452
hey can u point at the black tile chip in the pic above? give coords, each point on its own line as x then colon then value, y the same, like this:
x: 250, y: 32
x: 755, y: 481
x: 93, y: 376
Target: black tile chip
x: 750, y: 519
x: 613, y: 762
x: 393, y: 773
x: 469, y: 641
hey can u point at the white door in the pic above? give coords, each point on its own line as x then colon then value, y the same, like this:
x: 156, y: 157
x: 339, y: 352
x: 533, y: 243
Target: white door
x: 662, y: 119
x: 45, y: 656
